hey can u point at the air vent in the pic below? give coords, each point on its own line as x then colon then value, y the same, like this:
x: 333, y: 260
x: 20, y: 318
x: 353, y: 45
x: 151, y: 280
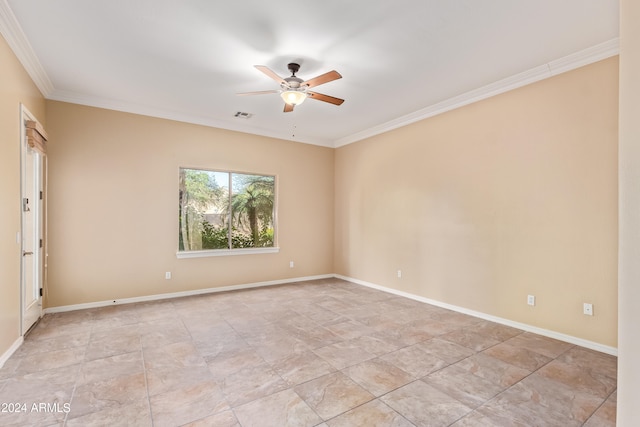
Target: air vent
x: 242, y: 115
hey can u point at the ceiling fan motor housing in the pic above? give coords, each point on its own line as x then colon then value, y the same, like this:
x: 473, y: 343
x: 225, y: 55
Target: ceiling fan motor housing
x: 293, y: 67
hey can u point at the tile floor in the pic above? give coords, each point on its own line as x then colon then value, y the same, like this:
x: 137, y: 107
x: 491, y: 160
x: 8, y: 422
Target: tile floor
x: 325, y: 353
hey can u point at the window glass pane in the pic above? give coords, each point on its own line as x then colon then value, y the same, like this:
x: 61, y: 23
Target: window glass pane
x: 252, y: 203
x: 212, y: 217
x: 203, y: 209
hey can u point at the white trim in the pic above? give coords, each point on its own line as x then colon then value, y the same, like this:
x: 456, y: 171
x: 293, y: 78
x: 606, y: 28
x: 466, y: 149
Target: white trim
x: 225, y: 252
x: 17, y: 40
x: 7, y: 354
x: 570, y: 62
x: 525, y: 327
x: 65, y: 308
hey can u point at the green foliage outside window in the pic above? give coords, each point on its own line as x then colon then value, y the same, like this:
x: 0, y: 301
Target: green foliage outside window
x: 212, y: 216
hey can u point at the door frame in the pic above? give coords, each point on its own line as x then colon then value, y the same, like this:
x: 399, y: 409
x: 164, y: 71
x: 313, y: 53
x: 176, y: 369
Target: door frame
x: 39, y: 221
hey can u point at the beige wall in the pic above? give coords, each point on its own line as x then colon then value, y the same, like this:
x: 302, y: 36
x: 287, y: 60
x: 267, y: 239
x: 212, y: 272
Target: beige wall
x: 113, y: 205
x: 481, y: 206
x: 629, y: 285
x: 15, y: 88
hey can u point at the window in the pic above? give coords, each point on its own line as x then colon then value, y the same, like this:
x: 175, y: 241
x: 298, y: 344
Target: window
x: 223, y: 212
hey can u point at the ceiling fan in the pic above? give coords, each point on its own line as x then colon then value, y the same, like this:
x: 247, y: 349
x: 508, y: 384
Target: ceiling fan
x: 294, y: 90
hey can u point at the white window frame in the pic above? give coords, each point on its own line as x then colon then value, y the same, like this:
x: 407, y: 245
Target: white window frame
x: 239, y: 251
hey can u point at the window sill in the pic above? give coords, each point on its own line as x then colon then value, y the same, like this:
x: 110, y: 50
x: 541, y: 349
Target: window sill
x: 225, y: 252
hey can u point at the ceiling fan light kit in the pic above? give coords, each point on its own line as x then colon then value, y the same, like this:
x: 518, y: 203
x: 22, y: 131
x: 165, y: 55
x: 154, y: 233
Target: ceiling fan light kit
x: 293, y: 96
x: 294, y: 90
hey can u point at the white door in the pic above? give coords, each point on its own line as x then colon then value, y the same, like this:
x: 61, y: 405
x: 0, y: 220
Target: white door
x: 31, y: 232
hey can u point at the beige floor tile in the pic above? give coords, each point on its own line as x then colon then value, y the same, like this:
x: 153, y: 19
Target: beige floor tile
x: 424, y: 405
x: 546, y: 346
x: 115, y: 316
x: 111, y: 367
x: 578, y: 378
x: 281, y: 409
x: 518, y: 356
x: 494, y: 330
x: 107, y: 393
x: 605, y: 415
x: 212, y: 345
x: 112, y: 342
x: 301, y: 367
x: 459, y: 383
x: 485, y: 418
x: 62, y: 342
x: 187, y: 404
x: 470, y: 339
x: 445, y: 350
x: 230, y: 362
x: 163, y: 380
x: 373, y: 413
x: 343, y: 354
x: 332, y: 394
x: 493, y: 370
x: 163, y: 332
x: 50, y: 360
x: 38, y: 386
x: 378, y: 376
x: 414, y: 361
x: 591, y: 361
x: 223, y: 419
x: 378, y: 343
x: 131, y: 414
x: 251, y: 383
x: 46, y: 330
x: 349, y: 329
x: 181, y: 354
x: 9, y: 368
x: 540, y: 395
x: 298, y: 354
x: 279, y: 347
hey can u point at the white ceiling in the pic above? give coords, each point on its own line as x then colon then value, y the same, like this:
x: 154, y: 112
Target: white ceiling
x: 400, y: 60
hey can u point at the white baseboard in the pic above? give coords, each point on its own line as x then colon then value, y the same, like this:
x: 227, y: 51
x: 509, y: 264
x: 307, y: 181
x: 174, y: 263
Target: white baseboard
x: 157, y: 297
x: 523, y: 326
x: 7, y: 354
x: 529, y: 328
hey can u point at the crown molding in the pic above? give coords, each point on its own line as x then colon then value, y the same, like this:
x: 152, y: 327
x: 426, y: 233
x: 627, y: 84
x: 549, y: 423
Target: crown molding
x: 12, y: 32
x: 570, y: 62
x: 15, y: 37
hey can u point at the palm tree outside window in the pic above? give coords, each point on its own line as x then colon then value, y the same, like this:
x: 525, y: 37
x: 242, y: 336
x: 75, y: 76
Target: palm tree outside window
x: 225, y: 210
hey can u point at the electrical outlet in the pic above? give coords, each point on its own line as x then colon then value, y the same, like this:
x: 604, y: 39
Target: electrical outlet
x: 290, y: 264
x: 587, y: 309
x: 531, y: 300
x: 399, y: 274
x: 167, y: 275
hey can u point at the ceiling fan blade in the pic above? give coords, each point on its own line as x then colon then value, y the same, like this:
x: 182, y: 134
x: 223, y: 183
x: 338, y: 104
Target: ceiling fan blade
x: 326, y: 98
x: 322, y: 79
x: 266, y: 70
x: 260, y: 92
x: 288, y: 108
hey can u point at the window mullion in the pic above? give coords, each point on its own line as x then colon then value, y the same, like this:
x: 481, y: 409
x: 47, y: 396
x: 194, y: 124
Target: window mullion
x: 230, y: 218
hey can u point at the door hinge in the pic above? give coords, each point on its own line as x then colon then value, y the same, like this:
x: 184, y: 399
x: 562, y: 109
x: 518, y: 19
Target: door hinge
x: 41, y: 195
x: 41, y: 243
x: 40, y: 291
